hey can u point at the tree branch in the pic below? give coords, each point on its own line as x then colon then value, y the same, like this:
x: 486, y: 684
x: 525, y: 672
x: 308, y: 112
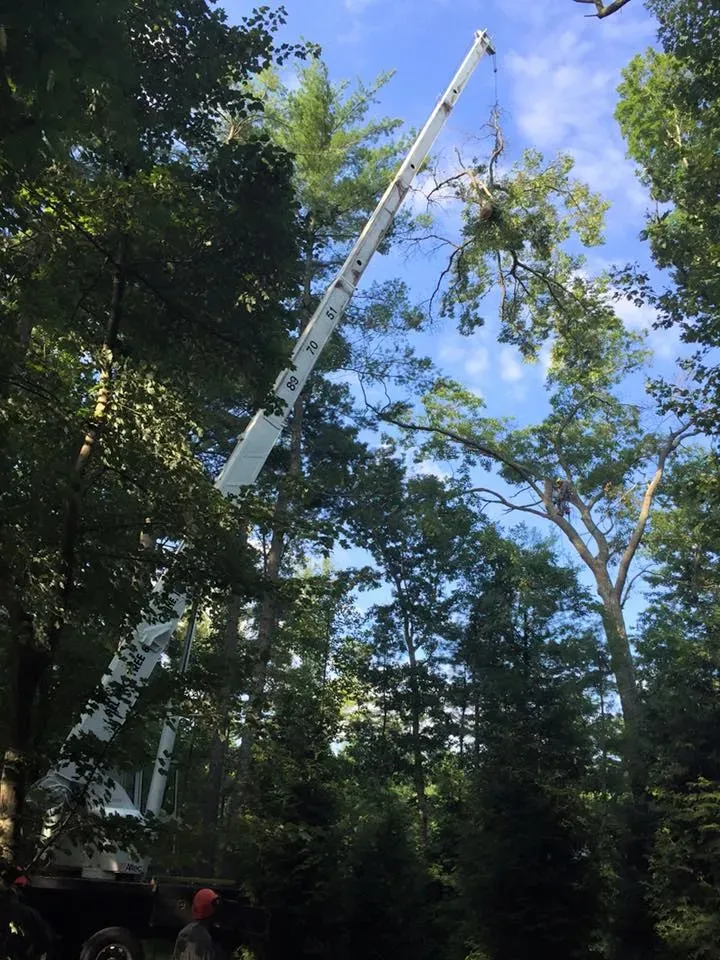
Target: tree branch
x: 667, y: 449
x: 631, y: 583
x: 554, y: 515
x: 492, y: 453
x: 605, y: 10
x: 503, y: 501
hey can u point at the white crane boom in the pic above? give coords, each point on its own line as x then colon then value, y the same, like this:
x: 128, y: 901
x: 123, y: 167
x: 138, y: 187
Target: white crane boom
x: 137, y: 658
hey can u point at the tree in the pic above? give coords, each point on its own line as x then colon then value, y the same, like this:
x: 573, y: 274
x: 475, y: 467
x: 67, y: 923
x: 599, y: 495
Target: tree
x: 678, y: 659
x: 528, y: 874
x: 421, y: 541
x: 143, y: 268
x: 669, y: 115
x: 343, y: 162
x: 593, y: 465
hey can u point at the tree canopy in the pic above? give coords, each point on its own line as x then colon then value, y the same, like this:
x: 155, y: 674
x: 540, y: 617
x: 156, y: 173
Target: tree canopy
x: 452, y: 690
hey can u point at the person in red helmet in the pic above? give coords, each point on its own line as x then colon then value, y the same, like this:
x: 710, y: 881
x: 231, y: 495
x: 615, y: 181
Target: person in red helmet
x: 24, y: 934
x: 194, y: 942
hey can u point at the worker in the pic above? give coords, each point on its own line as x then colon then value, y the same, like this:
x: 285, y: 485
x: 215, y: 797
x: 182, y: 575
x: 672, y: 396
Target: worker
x: 24, y: 935
x: 195, y: 942
x: 561, y: 494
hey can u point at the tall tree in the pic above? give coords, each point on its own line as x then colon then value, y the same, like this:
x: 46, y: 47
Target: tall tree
x: 420, y: 541
x: 343, y: 162
x: 593, y: 465
x: 669, y: 114
x: 528, y: 872
x: 679, y: 660
x: 143, y: 268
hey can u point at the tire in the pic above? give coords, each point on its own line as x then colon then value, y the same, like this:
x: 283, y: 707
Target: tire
x: 112, y: 943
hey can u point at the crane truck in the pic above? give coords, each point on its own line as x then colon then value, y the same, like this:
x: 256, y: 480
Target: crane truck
x: 122, y: 904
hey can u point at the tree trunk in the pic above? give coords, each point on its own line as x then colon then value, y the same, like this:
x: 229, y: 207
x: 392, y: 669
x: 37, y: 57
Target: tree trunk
x: 90, y: 444
x: 416, y: 701
x: 621, y: 664
x: 29, y: 661
x: 219, y: 744
x: 267, y: 617
x: 33, y: 654
x: 619, y: 648
x: 461, y: 730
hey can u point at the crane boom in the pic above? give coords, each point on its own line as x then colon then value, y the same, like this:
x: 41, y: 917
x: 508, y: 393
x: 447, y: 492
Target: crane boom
x: 136, y: 659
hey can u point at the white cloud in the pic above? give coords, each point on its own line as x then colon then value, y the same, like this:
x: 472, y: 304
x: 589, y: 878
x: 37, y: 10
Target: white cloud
x: 451, y: 353
x: 564, y: 96
x: 545, y: 359
x: 430, y: 468
x: 478, y: 361
x: 665, y: 344
x: 633, y: 315
x: 358, y: 6
x: 511, y: 370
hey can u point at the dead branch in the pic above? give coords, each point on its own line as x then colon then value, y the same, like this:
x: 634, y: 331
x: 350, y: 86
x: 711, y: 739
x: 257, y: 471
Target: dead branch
x: 456, y: 254
x: 500, y: 500
x: 498, y: 147
x: 670, y: 445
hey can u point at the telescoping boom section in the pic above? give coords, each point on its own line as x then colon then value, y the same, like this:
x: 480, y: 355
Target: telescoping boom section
x: 137, y: 658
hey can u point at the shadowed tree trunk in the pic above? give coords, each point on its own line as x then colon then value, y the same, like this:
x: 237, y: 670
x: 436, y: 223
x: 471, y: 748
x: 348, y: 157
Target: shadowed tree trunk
x: 219, y: 745
x: 33, y: 648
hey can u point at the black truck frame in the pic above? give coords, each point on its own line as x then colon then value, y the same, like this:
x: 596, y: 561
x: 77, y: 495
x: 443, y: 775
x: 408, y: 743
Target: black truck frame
x: 95, y: 919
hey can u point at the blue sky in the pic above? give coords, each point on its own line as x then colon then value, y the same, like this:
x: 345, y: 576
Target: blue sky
x: 556, y: 80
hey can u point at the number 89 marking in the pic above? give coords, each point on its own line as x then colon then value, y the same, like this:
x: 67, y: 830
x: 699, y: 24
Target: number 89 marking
x: 292, y: 383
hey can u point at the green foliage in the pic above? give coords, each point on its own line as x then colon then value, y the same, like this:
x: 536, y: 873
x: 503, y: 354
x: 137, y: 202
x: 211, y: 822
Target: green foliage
x: 386, y: 891
x: 669, y: 115
x: 343, y: 161
x: 443, y: 770
x: 144, y: 265
x: 684, y: 871
x: 527, y: 869
x: 522, y: 249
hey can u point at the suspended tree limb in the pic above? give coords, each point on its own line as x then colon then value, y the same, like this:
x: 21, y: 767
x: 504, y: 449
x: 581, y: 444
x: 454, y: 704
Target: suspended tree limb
x: 604, y: 9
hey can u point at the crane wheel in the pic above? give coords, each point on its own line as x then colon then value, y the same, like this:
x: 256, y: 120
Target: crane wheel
x: 112, y: 943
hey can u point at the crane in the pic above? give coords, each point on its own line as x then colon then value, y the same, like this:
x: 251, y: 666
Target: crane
x: 136, y: 659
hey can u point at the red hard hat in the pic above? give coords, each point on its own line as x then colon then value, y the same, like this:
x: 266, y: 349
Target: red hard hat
x: 204, y: 903
x: 21, y: 881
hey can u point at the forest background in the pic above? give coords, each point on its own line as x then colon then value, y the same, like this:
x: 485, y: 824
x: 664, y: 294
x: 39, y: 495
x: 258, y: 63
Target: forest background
x: 454, y: 684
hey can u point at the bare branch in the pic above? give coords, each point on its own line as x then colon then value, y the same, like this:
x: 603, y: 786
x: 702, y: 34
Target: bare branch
x: 671, y: 444
x: 439, y: 184
x: 498, y: 147
x: 493, y: 453
x: 503, y: 501
x: 632, y: 581
x: 457, y: 253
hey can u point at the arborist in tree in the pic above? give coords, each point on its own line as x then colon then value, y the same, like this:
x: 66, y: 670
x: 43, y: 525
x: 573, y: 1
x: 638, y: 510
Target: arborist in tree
x: 561, y: 492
